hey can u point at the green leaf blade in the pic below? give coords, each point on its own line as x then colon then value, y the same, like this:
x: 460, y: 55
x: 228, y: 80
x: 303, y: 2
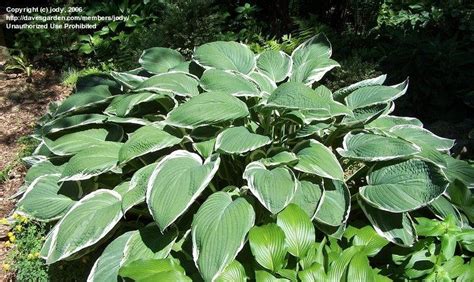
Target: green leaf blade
x: 218, y: 232
x: 176, y: 182
x: 298, y: 228
x: 268, y: 246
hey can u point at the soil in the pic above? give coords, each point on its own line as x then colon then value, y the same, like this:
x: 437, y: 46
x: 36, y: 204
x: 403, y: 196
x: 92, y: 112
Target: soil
x: 22, y: 101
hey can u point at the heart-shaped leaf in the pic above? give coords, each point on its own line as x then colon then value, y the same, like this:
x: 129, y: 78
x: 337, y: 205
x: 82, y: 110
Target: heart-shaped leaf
x: 319, y: 159
x: 225, y: 56
x: 207, y: 108
x: 159, y: 60
x: 373, y: 147
x: 238, y: 140
x: 274, y: 188
x: 176, y: 182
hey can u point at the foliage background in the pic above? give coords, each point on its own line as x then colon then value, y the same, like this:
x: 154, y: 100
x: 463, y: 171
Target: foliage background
x: 403, y: 38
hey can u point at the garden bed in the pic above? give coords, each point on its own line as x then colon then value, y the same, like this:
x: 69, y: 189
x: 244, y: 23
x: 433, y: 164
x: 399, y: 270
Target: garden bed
x: 21, y: 104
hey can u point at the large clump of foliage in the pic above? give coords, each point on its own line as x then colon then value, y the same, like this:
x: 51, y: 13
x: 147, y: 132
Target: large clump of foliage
x: 233, y: 165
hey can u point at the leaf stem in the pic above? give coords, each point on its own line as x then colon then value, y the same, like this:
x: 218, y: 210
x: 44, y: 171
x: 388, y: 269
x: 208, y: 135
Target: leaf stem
x: 213, y: 188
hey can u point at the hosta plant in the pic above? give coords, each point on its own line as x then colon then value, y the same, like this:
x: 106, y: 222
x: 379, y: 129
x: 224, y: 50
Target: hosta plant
x: 232, y: 165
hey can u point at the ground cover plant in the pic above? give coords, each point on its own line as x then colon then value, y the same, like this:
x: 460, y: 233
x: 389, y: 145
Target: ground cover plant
x: 235, y: 165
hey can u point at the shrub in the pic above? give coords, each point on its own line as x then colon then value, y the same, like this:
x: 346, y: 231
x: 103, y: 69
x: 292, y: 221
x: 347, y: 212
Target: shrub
x: 185, y: 160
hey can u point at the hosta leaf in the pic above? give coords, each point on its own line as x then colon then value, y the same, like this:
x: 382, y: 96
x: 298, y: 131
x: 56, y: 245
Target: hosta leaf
x: 178, y: 83
x: 42, y: 201
x: 359, y: 269
x: 371, y: 147
x: 460, y: 195
x: 239, y: 140
x: 289, y: 274
x: 136, y: 190
x: 319, y: 129
x: 294, y: 95
x: 398, y: 228
x: 298, y: 229
x: 64, y: 123
x: 207, y: 108
x: 232, y: 83
x: 317, y: 46
x: 443, y: 208
x: 311, y: 60
x: 205, y: 148
x: 264, y: 82
x: 275, y: 64
x: 365, y: 115
x: 41, y: 169
x: 97, y: 79
x: 263, y: 276
x: 336, y: 204
x: 176, y: 182
x: 145, y: 140
x: 329, y: 109
x: 460, y: 170
x: 150, y: 270
x: 308, y: 197
x: 146, y: 243
x: 83, y: 99
x: 127, y: 79
x: 159, y: 60
x: 75, y: 142
x: 319, y: 159
x: 268, y: 246
x: 338, y: 269
x: 387, y: 122
x: 149, y: 242
x: 128, y: 120
x: 123, y: 105
x: 403, y: 186
x: 273, y: 188
x: 186, y: 66
x: 312, y: 70
x: 368, y: 238
x: 122, y: 188
x: 314, y: 273
x: 422, y: 137
x: 334, y: 232
x: 234, y: 272
x: 218, y: 232
x: 372, y: 95
x: 342, y: 93
x: 282, y: 158
x: 88, y: 221
x: 91, y: 162
x: 107, y: 266
x: 225, y: 56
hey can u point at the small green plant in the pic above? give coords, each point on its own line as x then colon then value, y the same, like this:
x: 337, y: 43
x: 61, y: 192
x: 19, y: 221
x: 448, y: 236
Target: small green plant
x: 441, y: 255
x: 20, y: 63
x: 5, y: 172
x: 25, y: 241
x: 27, y: 146
x: 71, y: 76
x: 235, y: 165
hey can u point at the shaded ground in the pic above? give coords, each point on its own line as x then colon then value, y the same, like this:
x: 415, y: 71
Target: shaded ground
x: 21, y: 104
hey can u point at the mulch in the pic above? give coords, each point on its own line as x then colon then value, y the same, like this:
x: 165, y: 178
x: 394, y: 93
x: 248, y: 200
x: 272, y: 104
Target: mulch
x: 22, y: 101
